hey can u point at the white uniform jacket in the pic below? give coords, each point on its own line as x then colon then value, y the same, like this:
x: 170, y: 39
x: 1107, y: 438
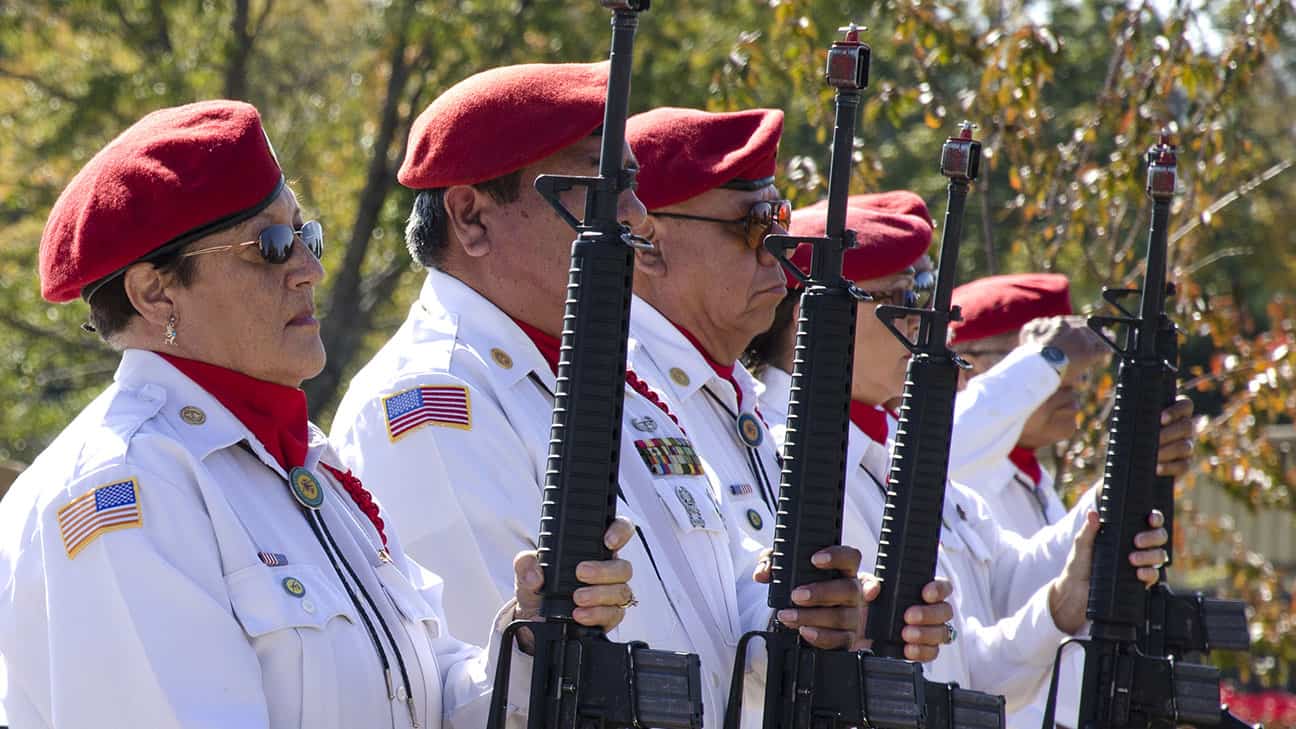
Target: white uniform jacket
x: 734, y: 442
x: 157, y: 572
x: 989, y: 415
x: 1007, y: 637
x: 456, y: 340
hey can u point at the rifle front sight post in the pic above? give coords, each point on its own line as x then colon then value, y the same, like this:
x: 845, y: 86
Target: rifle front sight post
x: 848, y: 61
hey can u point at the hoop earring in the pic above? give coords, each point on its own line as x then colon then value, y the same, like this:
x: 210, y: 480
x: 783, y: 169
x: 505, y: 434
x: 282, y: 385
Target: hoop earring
x: 169, y: 336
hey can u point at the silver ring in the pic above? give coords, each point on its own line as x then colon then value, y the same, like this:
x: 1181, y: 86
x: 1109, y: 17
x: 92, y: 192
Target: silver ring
x: 951, y: 633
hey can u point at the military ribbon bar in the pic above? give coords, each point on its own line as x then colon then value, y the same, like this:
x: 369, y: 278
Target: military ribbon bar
x: 669, y: 456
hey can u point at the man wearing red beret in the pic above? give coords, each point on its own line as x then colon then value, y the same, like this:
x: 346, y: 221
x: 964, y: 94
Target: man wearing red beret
x: 1029, y: 355
x: 471, y: 375
x: 1015, y: 601
x: 707, y: 287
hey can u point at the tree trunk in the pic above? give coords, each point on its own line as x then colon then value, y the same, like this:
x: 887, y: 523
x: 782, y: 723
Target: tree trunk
x: 347, y: 317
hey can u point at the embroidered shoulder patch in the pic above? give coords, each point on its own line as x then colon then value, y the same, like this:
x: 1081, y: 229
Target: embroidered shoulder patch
x: 108, y: 508
x: 669, y: 456
x: 444, y: 405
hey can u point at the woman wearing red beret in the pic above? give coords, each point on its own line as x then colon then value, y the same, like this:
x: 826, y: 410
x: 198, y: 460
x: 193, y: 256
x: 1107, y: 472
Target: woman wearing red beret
x: 189, y: 552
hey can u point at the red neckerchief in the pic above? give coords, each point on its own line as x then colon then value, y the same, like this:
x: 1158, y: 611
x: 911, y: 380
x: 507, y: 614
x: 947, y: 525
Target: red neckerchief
x: 276, y: 414
x: 724, y: 372
x: 871, y: 419
x: 1024, y: 459
x: 546, y: 343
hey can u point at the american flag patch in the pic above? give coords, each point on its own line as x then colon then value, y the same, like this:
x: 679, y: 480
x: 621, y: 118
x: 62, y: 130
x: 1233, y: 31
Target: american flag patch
x: 107, y: 508
x: 430, y: 404
x: 740, y: 489
x: 272, y: 559
x: 669, y: 456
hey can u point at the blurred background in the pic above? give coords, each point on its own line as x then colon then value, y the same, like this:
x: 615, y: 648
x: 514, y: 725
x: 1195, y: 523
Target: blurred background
x: 1067, y: 95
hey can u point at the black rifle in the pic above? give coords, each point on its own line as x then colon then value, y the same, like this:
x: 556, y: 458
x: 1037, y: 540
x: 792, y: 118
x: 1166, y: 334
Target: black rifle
x: 1131, y: 675
x: 580, y: 679
x: 808, y: 687
x: 911, y: 518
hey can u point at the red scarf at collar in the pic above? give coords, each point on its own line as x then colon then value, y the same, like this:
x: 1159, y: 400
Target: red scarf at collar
x: 547, y: 344
x: 724, y: 372
x: 1024, y: 459
x: 276, y: 414
x: 871, y: 419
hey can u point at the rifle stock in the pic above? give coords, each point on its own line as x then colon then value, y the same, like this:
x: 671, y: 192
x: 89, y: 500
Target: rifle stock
x: 580, y: 679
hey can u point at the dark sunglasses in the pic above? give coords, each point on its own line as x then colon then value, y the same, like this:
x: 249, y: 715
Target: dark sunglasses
x: 912, y: 298
x: 276, y: 242
x: 757, y: 223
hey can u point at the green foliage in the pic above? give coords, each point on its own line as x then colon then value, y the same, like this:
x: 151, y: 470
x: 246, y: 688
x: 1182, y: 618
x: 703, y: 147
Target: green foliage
x: 1065, y: 103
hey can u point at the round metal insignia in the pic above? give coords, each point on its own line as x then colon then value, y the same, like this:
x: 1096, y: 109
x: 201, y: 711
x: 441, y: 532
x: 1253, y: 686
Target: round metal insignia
x: 192, y: 415
x: 502, y: 358
x: 754, y: 518
x: 305, y: 488
x: 293, y: 586
x: 750, y: 430
x: 679, y: 376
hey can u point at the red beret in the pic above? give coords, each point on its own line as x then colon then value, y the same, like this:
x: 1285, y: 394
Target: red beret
x: 499, y: 121
x: 892, y: 231
x: 172, y: 177
x: 683, y: 153
x: 1001, y: 304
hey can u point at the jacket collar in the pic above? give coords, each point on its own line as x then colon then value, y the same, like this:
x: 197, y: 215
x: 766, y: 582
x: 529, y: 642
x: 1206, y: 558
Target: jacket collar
x: 453, y: 307
x: 774, y: 390
x: 674, y: 354
x: 202, y: 422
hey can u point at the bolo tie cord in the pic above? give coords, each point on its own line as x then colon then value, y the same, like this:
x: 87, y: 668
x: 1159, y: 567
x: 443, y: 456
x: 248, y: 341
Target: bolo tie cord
x: 325, y: 538
x: 400, y: 660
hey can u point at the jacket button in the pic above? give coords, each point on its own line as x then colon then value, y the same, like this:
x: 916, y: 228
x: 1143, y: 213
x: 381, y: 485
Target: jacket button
x: 679, y: 377
x: 501, y: 358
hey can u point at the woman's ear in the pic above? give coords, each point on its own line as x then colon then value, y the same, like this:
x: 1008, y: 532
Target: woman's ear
x: 464, y: 205
x: 147, y: 288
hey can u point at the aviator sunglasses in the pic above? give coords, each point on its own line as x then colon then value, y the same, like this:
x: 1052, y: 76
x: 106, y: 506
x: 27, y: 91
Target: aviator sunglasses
x: 757, y: 223
x: 276, y: 242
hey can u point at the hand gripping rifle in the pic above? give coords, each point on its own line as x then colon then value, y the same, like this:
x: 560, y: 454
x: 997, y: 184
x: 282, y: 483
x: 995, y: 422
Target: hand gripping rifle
x: 808, y: 687
x: 911, y: 519
x: 580, y: 679
x: 1132, y: 675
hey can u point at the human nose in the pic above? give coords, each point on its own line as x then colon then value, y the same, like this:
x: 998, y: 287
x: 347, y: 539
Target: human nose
x: 304, y: 269
x: 631, y: 211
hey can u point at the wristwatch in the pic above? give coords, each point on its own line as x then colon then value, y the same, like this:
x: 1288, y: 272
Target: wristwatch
x: 1056, y: 359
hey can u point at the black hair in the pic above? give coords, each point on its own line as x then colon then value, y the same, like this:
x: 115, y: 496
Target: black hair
x: 426, y: 236
x: 770, y: 346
